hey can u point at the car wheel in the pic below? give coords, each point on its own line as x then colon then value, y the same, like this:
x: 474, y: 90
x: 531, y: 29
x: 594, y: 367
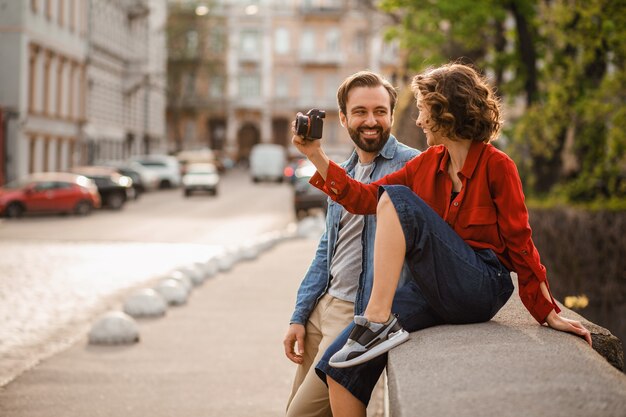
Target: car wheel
x: 83, y: 208
x: 214, y: 192
x: 187, y: 193
x: 301, y: 214
x: 115, y: 201
x: 14, y: 210
x: 255, y: 179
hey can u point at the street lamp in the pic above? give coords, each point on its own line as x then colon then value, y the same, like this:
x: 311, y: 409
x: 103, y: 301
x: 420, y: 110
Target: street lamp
x: 202, y: 10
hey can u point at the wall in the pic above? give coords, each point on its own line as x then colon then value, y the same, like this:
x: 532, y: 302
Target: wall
x: 584, y: 253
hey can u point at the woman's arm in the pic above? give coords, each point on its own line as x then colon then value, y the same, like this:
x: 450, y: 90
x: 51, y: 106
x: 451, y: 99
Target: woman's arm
x: 557, y: 322
x: 514, y: 227
x: 354, y: 196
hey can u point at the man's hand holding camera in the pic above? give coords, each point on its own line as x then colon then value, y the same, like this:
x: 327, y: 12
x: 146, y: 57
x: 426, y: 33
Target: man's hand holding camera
x: 307, y: 129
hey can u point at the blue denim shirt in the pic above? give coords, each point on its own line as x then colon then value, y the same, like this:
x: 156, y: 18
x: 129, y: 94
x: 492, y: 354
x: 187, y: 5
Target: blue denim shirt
x: 392, y: 157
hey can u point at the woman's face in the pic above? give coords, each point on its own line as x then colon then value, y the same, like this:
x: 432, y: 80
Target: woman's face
x: 425, y: 123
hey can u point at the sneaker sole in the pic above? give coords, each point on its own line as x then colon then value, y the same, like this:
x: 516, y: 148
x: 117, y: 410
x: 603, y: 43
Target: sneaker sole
x: 394, y: 340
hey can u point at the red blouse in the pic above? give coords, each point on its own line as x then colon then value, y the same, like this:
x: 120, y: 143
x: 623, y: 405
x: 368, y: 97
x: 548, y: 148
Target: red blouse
x: 488, y: 213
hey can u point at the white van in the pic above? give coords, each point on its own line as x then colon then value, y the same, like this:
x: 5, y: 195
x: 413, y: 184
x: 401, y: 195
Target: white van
x: 267, y: 162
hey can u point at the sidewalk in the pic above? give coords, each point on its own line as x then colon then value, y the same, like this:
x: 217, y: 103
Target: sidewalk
x: 219, y: 355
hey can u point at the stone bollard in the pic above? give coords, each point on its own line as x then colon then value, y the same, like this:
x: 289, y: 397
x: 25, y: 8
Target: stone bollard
x: 211, y: 267
x: 195, y: 274
x: 114, y: 328
x: 225, y: 262
x: 173, y: 291
x: 249, y: 251
x: 145, y: 303
x: 183, y: 277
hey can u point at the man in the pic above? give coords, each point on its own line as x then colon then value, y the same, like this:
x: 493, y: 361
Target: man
x: 339, y: 281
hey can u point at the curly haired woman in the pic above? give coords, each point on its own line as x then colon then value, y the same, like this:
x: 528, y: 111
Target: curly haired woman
x: 455, y: 216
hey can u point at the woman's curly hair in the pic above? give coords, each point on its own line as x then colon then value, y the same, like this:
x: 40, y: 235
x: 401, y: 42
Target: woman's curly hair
x: 461, y: 102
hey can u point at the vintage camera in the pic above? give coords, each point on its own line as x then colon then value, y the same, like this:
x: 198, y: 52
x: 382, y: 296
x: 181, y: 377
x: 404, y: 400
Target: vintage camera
x: 310, y: 125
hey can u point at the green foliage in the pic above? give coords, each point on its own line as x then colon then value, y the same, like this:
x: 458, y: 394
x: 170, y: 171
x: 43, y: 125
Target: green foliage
x: 436, y: 32
x: 567, y: 56
x: 583, y: 99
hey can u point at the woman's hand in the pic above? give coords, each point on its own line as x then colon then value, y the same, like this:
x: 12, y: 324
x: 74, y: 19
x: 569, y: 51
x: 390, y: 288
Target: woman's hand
x: 566, y: 325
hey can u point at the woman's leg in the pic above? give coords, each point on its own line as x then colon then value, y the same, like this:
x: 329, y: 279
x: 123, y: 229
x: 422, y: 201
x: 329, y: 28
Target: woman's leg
x: 342, y: 402
x: 389, y: 252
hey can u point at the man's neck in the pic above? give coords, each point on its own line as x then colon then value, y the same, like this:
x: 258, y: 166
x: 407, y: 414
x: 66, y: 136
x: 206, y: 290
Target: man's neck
x: 366, y: 157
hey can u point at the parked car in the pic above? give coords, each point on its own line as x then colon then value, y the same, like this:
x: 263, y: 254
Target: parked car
x: 201, y: 177
x: 307, y: 198
x: 114, y: 189
x: 267, y: 162
x: 143, y: 179
x: 166, y: 167
x: 51, y: 192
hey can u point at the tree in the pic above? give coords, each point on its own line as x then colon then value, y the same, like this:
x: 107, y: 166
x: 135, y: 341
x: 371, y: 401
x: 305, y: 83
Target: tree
x: 565, y: 57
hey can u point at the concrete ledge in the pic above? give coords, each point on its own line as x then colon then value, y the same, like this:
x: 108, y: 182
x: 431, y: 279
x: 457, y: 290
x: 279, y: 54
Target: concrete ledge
x: 509, y: 366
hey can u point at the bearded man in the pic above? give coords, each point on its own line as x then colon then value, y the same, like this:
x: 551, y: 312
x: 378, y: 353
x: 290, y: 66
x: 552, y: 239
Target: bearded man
x: 338, y: 284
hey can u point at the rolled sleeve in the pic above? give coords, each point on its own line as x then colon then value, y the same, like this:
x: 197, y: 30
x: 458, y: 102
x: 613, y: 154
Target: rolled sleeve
x: 356, y: 197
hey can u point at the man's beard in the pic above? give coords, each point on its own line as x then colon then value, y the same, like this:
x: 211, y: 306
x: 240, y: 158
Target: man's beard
x: 372, y: 146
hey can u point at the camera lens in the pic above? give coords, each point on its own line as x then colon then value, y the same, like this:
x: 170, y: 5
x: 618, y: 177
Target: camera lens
x: 302, y: 125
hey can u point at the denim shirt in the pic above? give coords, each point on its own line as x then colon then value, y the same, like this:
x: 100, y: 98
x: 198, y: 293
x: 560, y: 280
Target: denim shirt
x: 392, y: 157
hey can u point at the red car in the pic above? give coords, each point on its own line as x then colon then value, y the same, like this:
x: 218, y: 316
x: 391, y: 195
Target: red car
x: 49, y: 192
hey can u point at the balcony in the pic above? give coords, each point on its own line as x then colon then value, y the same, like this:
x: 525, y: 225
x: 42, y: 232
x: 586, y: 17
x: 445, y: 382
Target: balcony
x: 250, y: 57
x: 331, y: 11
x: 249, y: 102
x: 321, y: 58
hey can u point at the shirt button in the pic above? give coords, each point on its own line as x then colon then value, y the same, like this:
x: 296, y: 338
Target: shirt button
x: 456, y: 204
x: 524, y: 252
x: 332, y: 183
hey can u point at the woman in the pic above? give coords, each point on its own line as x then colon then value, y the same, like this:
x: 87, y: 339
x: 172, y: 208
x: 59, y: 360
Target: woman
x: 455, y: 215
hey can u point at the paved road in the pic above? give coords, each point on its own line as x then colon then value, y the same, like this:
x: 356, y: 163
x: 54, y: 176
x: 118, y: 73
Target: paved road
x: 58, y: 272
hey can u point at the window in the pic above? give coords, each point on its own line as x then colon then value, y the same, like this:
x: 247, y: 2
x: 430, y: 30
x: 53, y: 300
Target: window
x: 332, y: 40
x: 360, y: 43
x: 192, y: 43
x: 216, y: 89
x: 188, y: 82
x: 332, y: 84
x: 250, y: 42
x: 217, y: 40
x: 308, y: 88
x: 307, y: 45
x: 249, y: 86
x: 281, y: 41
x: 281, y: 86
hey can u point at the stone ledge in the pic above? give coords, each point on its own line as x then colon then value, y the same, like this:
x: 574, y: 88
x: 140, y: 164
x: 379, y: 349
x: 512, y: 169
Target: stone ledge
x: 509, y: 366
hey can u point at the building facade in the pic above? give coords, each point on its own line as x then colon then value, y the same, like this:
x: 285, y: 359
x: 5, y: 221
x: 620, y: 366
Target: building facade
x: 239, y: 71
x: 126, y: 79
x: 43, y: 45
x: 81, y: 80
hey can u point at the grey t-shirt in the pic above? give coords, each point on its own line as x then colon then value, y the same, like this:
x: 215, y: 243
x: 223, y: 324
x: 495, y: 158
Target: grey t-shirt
x: 347, y: 261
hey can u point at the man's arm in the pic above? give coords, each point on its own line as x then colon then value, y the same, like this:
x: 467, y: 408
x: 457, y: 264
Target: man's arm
x: 311, y: 288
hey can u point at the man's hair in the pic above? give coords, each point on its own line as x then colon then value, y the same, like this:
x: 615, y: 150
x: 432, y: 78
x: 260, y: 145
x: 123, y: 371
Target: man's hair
x: 364, y: 79
x: 461, y: 102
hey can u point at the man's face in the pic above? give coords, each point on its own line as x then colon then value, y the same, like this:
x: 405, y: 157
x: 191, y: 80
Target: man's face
x: 368, y: 117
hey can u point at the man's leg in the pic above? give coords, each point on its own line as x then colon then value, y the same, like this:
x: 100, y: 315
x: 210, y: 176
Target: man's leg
x: 311, y: 397
x: 414, y: 313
